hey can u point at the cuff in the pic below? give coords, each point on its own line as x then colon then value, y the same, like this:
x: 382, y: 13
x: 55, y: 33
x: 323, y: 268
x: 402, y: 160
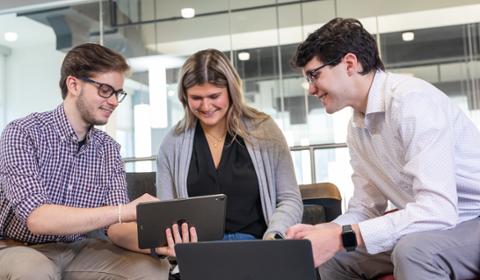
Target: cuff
x: 26, y: 207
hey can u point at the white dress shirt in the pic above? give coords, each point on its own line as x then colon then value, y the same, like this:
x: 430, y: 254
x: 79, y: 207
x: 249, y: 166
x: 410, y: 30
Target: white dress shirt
x: 416, y: 149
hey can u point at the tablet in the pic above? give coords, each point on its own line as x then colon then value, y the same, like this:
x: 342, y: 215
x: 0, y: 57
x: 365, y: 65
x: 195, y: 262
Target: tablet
x: 205, y: 213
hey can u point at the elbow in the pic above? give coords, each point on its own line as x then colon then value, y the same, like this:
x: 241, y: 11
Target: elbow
x: 113, y: 234
x: 35, y: 226
x: 446, y: 219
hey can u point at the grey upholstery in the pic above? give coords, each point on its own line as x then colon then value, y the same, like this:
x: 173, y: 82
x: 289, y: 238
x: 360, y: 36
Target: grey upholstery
x: 139, y: 183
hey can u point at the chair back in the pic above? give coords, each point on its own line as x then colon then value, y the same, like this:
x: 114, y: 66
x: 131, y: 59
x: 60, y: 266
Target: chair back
x: 323, y: 194
x: 139, y: 183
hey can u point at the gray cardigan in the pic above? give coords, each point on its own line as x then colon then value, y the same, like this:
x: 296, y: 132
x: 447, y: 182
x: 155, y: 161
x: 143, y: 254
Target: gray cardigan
x: 279, y: 193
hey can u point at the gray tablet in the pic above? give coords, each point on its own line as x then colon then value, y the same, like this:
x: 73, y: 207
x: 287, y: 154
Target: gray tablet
x: 205, y: 213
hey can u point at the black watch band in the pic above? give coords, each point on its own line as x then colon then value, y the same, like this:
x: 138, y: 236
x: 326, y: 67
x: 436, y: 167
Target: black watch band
x: 349, y: 239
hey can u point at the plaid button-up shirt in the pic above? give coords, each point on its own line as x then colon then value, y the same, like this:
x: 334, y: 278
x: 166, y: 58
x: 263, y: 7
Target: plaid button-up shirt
x: 41, y: 163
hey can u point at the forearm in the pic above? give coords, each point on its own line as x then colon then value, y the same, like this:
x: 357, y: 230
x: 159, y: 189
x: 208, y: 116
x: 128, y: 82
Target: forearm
x: 126, y: 236
x: 62, y: 220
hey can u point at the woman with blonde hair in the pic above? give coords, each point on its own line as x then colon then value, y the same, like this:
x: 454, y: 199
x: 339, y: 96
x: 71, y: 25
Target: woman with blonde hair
x: 224, y: 146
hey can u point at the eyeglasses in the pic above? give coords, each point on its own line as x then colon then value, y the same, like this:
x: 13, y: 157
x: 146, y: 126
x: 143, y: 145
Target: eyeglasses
x: 312, y: 75
x: 105, y: 90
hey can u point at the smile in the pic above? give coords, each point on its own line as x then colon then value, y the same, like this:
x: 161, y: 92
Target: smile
x: 208, y: 114
x: 322, y: 97
x: 110, y: 110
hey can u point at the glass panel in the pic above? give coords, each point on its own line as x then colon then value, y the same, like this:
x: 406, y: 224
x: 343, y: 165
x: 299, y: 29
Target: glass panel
x: 445, y: 53
x: 302, y: 165
x: 332, y: 165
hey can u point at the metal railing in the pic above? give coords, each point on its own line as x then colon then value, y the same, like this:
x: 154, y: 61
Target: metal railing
x: 311, y: 149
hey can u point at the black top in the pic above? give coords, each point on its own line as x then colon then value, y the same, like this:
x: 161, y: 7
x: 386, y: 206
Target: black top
x: 234, y: 177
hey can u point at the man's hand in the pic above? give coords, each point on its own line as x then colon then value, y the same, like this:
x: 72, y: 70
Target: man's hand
x: 188, y: 235
x: 129, y: 211
x: 325, y: 238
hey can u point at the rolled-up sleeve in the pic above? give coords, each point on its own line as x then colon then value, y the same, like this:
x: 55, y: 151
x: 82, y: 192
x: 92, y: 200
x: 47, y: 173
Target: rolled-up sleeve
x: 21, y: 183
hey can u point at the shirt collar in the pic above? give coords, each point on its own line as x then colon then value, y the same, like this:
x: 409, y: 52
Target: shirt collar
x: 64, y: 128
x: 375, y: 101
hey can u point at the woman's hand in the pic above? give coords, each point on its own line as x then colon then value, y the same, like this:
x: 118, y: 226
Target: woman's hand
x: 187, y: 235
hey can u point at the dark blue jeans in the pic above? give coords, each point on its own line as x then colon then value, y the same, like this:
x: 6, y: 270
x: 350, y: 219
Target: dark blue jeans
x: 238, y: 236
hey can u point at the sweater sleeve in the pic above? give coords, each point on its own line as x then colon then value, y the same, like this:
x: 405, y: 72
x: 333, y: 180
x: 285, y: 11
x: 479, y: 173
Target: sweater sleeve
x: 288, y: 207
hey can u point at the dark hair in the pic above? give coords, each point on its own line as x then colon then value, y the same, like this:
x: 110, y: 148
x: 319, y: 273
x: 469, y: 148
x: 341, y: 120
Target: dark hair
x: 212, y: 66
x: 335, y: 39
x: 86, y: 59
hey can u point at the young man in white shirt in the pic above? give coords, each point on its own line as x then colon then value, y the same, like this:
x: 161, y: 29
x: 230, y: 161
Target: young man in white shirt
x: 410, y: 145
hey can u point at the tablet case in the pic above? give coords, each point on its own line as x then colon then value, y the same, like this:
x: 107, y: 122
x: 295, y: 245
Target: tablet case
x: 206, y: 213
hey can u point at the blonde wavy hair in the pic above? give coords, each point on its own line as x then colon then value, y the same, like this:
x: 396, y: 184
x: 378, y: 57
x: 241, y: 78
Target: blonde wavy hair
x: 212, y: 66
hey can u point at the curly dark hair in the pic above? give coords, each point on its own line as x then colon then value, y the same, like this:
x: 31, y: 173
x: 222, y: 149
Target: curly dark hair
x: 337, y: 38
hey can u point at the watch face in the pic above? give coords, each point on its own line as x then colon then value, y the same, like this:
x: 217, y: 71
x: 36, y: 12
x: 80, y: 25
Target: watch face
x: 349, y: 239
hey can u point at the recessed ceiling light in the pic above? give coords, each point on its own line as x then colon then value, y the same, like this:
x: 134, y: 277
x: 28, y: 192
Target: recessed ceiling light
x: 244, y: 56
x: 10, y: 36
x: 408, y: 36
x: 187, y: 12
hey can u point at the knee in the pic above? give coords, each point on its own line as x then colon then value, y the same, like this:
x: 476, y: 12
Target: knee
x: 409, y: 252
x: 27, y: 263
x: 149, y: 268
x: 331, y: 269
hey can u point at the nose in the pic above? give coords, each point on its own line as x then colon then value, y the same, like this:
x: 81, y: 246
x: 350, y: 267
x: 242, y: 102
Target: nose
x: 312, y: 89
x: 205, y: 105
x: 113, y: 100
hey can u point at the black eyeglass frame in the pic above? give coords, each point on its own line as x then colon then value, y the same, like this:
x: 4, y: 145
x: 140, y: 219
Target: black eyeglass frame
x: 119, y: 94
x: 312, y: 75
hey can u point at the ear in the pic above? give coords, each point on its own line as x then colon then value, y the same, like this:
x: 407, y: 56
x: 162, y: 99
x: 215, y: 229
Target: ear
x: 353, y: 65
x: 73, y: 85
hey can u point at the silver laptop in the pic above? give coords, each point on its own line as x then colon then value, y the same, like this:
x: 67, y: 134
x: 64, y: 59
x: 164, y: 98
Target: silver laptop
x: 246, y: 260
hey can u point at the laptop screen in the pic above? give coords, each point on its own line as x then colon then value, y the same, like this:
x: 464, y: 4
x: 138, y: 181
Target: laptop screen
x: 246, y: 260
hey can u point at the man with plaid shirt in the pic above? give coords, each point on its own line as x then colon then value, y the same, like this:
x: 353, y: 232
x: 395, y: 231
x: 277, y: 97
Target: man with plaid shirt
x: 61, y: 178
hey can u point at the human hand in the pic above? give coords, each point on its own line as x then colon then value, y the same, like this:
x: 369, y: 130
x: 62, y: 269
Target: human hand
x: 188, y: 235
x: 273, y: 236
x: 129, y: 210
x: 325, y: 239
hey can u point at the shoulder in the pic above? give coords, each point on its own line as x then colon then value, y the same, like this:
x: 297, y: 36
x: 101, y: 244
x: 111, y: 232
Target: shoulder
x: 265, y: 127
x: 409, y: 94
x: 172, y: 138
x: 30, y: 125
x: 402, y: 88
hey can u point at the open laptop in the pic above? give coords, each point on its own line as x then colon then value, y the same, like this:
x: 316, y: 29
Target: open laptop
x: 205, y: 213
x: 246, y: 260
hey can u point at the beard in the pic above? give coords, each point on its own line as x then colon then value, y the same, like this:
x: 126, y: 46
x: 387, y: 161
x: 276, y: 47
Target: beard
x: 87, y: 111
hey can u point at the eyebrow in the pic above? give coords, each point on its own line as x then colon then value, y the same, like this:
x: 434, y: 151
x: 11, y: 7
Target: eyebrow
x: 209, y: 95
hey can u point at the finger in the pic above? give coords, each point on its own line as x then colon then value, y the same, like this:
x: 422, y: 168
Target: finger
x: 176, y: 234
x: 298, y: 231
x: 185, y: 235
x: 170, y: 241
x: 302, y: 235
x: 193, y: 235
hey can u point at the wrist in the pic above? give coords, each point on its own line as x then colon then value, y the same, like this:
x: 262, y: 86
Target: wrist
x: 119, y: 214
x: 358, y: 235
x: 349, y: 238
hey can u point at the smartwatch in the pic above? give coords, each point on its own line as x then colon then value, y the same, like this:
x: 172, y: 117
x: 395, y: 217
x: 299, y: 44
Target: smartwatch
x: 349, y: 239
